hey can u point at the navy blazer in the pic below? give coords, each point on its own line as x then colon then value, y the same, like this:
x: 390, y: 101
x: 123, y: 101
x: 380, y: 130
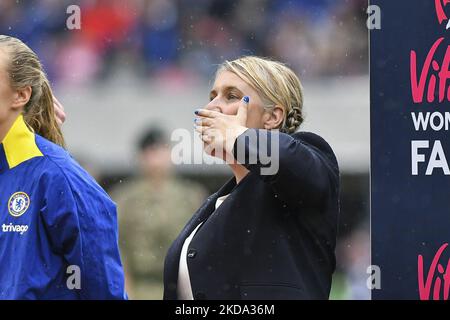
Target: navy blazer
x: 274, y: 236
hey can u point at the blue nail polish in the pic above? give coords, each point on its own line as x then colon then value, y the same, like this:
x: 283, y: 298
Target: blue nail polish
x: 197, y: 111
x: 246, y: 99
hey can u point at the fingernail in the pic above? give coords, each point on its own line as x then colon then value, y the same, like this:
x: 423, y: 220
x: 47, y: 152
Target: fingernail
x: 246, y: 99
x: 197, y: 111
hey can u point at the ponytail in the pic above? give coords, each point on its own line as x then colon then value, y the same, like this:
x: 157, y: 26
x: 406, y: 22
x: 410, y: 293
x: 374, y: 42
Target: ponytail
x: 41, y: 117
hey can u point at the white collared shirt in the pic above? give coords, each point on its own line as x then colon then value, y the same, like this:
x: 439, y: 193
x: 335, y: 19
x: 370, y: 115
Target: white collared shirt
x: 184, y: 289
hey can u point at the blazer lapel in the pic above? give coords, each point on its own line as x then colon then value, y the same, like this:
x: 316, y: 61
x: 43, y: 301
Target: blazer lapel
x: 205, y: 210
x: 174, y: 253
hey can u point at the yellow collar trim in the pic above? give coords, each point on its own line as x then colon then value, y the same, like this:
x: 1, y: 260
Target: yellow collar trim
x: 20, y: 144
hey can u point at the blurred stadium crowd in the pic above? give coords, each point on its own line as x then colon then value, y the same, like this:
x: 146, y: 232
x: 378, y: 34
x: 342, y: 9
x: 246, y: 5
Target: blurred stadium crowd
x: 185, y: 39
x: 181, y: 42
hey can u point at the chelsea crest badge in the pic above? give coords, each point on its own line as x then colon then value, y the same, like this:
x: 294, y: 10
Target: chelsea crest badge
x: 18, y: 204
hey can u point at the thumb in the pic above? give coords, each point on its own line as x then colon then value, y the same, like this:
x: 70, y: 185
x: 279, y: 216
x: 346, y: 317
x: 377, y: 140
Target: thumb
x: 243, y: 109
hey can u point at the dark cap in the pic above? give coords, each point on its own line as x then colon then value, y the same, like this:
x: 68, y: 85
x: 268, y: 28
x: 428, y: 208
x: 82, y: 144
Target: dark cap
x: 152, y: 137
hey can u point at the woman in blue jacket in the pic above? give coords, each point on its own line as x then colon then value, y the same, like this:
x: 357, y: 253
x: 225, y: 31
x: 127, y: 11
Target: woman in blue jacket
x: 270, y: 231
x: 58, y: 228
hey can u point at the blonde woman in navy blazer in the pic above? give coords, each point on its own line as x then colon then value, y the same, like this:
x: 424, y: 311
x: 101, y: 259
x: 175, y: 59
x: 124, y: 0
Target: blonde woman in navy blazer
x: 266, y: 234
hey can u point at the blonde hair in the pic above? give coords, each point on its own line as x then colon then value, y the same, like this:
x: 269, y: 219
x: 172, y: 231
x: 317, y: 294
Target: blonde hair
x: 276, y: 84
x: 25, y: 69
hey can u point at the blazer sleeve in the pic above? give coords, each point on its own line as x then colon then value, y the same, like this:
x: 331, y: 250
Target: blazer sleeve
x: 82, y: 227
x: 301, y: 169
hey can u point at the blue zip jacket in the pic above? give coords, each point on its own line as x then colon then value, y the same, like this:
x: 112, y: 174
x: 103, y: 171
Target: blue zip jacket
x: 58, y: 227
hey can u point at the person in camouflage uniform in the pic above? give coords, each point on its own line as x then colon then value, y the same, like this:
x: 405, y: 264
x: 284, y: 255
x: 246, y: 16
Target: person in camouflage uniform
x: 152, y: 210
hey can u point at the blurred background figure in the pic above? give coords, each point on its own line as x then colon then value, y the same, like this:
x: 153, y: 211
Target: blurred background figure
x: 137, y: 62
x: 350, y: 278
x: 153, y: 207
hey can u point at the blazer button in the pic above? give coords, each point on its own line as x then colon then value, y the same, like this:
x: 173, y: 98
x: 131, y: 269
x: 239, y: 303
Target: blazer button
x: 200, y: 296
x: 192, y: 253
